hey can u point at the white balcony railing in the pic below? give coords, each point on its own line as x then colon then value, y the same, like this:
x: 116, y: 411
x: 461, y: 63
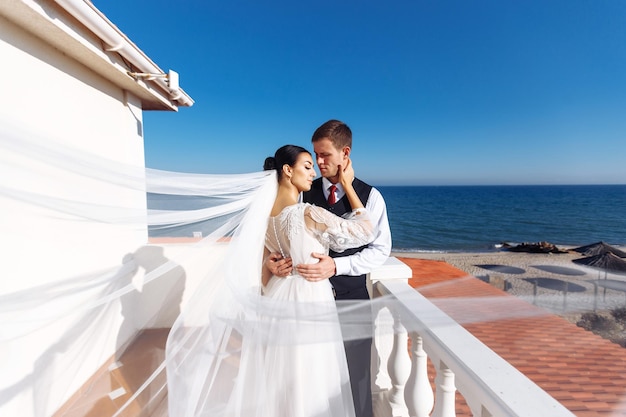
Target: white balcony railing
x: 401, y: 386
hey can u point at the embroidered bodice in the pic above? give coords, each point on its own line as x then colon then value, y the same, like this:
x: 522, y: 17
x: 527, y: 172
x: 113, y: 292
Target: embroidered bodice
x: 302, y: 228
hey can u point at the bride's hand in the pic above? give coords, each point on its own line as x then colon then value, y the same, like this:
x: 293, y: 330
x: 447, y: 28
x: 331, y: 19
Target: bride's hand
x: 346, y: 174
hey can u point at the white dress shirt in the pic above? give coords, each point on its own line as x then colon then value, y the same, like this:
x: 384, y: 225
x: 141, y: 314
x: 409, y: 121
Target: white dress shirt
x: 376, y: 252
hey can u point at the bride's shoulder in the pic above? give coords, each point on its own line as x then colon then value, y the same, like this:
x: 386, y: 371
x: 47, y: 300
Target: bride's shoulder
x: 316, y: 212
x: 290, y: 210
x: 306, y: 207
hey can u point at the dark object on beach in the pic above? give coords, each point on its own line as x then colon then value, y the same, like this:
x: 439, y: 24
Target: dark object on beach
x: 502, y: 269
x: 538, y: 247
x: 556, y: 284
x: 497, y: 281
x: 599, y: 248
x: 606, y: 262
x: 565, y: 287
x: 561, y: 270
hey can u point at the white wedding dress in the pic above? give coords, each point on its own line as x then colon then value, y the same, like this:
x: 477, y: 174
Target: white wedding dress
x: 306, y: 361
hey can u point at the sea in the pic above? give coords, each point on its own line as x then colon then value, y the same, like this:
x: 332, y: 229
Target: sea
x: 483, y: 218
x: 476, y: 218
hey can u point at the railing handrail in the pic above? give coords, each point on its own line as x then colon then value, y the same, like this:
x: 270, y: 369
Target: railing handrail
x: 479, y: 371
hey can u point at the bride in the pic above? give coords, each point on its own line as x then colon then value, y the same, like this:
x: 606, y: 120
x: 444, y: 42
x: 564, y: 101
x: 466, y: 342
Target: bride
x: 310, y: 362
x: 258, y: 345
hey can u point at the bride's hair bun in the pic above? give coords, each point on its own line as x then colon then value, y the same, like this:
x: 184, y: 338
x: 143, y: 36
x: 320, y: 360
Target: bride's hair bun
x: 269, y: 164
x: 285, y: 155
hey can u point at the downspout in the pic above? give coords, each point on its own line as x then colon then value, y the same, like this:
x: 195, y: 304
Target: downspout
x: 98, y: 23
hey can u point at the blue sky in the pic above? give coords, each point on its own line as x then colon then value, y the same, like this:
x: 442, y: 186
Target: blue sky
x: 436, y: 92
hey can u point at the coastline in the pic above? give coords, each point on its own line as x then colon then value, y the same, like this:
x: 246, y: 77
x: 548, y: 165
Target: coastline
x: 549, y: 280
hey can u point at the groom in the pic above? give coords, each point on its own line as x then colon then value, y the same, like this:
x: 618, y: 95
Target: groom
x: 332, y: 143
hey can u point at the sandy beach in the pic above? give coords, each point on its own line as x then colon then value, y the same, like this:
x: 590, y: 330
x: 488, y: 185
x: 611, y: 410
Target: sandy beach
x: 549, y: 280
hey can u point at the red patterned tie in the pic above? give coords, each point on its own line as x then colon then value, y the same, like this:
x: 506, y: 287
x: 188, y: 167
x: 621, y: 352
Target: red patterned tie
x: 331, y: 195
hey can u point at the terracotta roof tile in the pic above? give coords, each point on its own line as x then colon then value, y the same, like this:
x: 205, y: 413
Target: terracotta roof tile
x: 584, y: 372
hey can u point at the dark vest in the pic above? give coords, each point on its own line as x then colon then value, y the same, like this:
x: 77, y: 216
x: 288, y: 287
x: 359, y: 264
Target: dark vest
x: 343, y: 284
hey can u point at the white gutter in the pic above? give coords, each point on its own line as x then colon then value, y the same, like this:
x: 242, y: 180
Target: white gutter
x: 99, y: 24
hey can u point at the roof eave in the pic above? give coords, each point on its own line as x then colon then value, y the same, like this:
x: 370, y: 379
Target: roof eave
x: 81, y: 31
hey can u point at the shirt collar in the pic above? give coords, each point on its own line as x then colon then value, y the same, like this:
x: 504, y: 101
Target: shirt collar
x: 326, y: 183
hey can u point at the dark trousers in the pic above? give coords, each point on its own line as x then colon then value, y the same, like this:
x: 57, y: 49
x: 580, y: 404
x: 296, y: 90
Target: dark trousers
x: 358, y: 356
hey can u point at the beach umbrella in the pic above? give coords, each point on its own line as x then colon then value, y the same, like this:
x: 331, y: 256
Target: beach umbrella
x: 599, y: 248
x: 607, y: 262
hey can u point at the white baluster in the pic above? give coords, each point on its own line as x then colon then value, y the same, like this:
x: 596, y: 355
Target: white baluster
x: 399, y: 367
x: 445, y: 398
x: 484, y: 412
x: 418, y: 393
x: 476, y: 407
x: 381, y: 350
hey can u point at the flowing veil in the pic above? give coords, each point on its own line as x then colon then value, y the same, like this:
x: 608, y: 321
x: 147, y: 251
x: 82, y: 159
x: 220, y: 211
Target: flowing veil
x: 204, y: 344
x: 99, y: 253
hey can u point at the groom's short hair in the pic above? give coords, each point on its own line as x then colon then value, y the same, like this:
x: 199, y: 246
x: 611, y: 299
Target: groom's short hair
x: 336, y: 131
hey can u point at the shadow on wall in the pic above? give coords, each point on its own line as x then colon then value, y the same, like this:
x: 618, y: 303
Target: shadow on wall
x: 155, y: 303
x: 149, y: 312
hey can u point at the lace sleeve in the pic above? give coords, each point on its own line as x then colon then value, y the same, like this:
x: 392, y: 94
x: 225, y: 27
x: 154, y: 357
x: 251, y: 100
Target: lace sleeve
x: 352, y: 230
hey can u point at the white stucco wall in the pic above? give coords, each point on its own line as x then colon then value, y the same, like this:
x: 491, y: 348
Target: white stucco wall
x: 61, y: 105
x: 64, y: 132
